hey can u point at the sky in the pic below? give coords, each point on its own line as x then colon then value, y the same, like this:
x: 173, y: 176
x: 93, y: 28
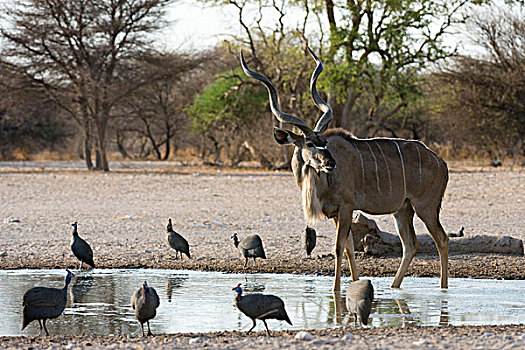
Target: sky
x: 194, y: 25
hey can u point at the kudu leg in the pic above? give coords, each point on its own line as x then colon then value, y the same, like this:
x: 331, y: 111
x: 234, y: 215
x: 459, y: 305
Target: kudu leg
x: 350, y: 255
x: 405, y: 227
x: 342, y: 223
x: 431, y: 220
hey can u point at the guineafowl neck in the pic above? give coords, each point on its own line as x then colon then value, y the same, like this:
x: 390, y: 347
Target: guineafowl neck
x: 67, y: 282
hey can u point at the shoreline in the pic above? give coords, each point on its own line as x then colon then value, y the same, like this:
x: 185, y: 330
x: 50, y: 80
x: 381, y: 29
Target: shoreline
x: 477, y: 266
x: 455, y: 337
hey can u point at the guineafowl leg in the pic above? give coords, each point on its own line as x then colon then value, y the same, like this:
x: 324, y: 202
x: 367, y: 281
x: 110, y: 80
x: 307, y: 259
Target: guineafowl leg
x: 253, y: 261
x: 252, y: 327
x: 40, y: 323
x: 267, y: 330
x: 142, y: 328
x: 45, y: 328
x: 246, y: 262
x: 149, y: 330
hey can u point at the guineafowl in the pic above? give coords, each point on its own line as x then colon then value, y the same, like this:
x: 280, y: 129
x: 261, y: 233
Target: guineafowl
x: 359, y: 297
x: 250, y: 247
x: 309, y: 239
x: 81, y: 248
x: 260, y: 307
x: 42, y: 303
x: 145, y: 302
x: 177, y: 242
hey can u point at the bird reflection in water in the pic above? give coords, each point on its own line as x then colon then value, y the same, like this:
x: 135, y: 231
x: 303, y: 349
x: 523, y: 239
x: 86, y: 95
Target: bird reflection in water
x: 253, y: 285
x: 80, y: 288
x: 174, y: 282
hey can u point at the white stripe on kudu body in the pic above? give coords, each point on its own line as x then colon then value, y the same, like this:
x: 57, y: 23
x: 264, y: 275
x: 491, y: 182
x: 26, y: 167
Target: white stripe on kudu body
x: 377, y: 168
x: 387, y: 168
x: 402, y: 169
x: 420, y: 165
x: 362, y: 164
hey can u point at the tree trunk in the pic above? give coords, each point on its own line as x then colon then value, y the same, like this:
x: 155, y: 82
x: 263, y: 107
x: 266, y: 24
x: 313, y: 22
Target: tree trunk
x: 87, y: 145
x: 101, y: 159
x: 121, y: 147
x: 265, y: 163
x: 168, y: 149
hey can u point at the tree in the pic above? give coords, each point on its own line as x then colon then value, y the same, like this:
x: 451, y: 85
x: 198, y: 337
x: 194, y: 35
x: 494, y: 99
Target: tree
x: 226, y: 113
x: 156, y: 111
x: 374, y: 52
x: 280, y: 53
x: 379, y: 48
x: 81, y: 52
x: 485, y: 104
x: 30, y: 126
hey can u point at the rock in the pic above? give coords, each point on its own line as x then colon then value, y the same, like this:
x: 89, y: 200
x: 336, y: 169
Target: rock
x: 348, y: 337
x: 3, y: 254
x: 11, y: 220
x: 419, y: 342
x: 195, y: 341
x: 369, y: 239
x: 303, y: 335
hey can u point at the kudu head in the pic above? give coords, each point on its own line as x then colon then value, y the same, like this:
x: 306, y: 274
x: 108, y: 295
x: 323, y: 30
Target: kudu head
x: 310, y: 143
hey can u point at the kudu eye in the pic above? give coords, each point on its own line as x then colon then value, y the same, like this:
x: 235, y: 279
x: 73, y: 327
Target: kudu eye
x: 310, y: 144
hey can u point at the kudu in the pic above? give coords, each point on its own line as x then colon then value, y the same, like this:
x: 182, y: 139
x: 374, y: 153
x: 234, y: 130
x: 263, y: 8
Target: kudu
x: 338, y: 173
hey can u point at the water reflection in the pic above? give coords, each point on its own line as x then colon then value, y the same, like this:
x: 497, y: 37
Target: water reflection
x: 80, y: 288
x: 174, y: 282
x: 203, y: 301
x: 253, y: 285
x: 443, y: 317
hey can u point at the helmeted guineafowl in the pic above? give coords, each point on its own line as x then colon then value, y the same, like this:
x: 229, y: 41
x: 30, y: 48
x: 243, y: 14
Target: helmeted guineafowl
x: 359, y: 297
x: 309, y: 239
x: 81, y: 248
x: 260, y: 307
x: 145, y: 302
x: 177, y: 242
x: 250, y: 247
x: 42, y: 303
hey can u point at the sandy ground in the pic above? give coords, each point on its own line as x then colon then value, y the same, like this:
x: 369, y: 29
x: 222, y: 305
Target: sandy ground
x: 123, y: 216
x: 486, y: 337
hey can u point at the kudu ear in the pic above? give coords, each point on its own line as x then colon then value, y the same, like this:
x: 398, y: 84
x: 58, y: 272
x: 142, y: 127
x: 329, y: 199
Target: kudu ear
x: 285, y: 137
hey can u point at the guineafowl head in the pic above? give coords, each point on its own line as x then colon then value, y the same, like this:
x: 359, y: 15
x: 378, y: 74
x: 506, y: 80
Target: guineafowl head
x: 238, y: 289
x: 74, y: 227
x: 69, y: 276
x: 145, y: 286
x: 169, y: 227
x: 235, y: 239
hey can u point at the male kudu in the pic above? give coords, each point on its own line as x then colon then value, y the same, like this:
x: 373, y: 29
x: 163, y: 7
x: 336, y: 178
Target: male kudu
x: 338, y: 173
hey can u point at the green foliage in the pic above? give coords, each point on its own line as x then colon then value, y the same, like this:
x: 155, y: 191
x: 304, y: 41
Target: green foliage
x: 225, y: 103
x: 380, y: 47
